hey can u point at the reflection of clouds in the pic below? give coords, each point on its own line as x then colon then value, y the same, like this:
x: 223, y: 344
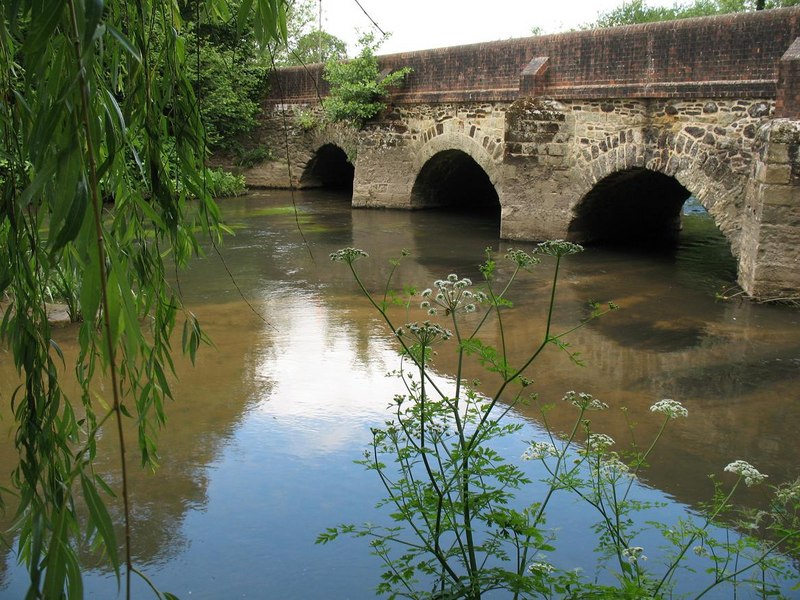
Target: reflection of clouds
x: 322, y: 385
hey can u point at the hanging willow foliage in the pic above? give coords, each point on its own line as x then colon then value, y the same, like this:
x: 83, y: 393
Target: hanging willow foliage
x: 101, y: 168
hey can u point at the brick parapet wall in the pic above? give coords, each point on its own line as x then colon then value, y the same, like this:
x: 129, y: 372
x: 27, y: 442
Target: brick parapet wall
x: 787, y: 104
x: 297, y: 85
x: 727, y: 56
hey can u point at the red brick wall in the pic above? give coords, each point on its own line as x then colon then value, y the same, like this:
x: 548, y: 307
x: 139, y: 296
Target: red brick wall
x: 725, y: 56
x: 787, y: 104
x: 297, y: 84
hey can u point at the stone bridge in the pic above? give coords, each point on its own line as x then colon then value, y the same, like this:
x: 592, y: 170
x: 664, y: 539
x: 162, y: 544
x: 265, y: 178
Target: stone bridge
x: 589, y: 136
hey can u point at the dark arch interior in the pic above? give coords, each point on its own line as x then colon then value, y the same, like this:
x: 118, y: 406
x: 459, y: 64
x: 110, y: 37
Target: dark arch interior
x: 635, y: 206
x: 453, y: 179
x: 330, y: 168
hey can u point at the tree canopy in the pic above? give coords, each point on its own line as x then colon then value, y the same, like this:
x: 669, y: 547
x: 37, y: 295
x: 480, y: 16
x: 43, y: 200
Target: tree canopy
x: 102, y: 179
x: 316, y: 47
x: 637, y: 11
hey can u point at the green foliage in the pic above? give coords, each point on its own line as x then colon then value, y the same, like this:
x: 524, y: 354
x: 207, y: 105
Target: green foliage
x: 306, y: 120
x: 637, y: 11
x: 253, y: 156
x: 357, y: 86
x: 467, y: 521
x: 230, y: 76
x: 222, y: 184
x: 97, y: 106
x: 227, y: 71
x: 301, y: 18
x: 229, y: 83
x: 316, y: 47
x: 65, y: 283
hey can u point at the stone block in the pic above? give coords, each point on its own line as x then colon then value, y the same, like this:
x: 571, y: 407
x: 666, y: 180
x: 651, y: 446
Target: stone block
x: 773, y: 214
x: 777, y: 153
x: 556, y: 161
x: 779, y: 243
x: 775, y: 174
x: 779, y: 195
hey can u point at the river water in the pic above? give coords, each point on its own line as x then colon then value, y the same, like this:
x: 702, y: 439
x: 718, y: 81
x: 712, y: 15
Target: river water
x: 257, y: 458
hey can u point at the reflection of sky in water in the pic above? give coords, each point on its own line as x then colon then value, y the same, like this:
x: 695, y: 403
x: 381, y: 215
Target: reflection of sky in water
x: 322, y: 389
x: 263, y: 437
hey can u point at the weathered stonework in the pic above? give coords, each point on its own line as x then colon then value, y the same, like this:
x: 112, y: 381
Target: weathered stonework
x: 770, y: 257
x: 702, y: 106
x: 282, y: 131
x: 392, y: 152
x: 556, y: 152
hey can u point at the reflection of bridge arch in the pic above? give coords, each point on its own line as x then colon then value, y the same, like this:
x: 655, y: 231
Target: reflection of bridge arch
x: 328, y: 167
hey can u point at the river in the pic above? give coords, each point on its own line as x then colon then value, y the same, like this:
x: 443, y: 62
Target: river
x: 257, y: 458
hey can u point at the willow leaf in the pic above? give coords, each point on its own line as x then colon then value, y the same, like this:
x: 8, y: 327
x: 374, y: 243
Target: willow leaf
x: 94, y: 13
x: 74, y: 218
x: 101, y: 520
x: 44, y: 26
x: 132, y: 51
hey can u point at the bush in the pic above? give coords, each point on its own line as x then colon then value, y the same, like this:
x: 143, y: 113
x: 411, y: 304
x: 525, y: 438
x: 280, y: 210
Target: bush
x: 222, y: 184
x: 253, y: 156
x: 306, y: 120
x: 357, y: 87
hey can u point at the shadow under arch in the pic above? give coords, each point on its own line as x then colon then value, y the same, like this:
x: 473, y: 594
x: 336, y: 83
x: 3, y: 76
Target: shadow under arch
x: 328, y: 168
x: 453, y: 179
x: 635, y: 206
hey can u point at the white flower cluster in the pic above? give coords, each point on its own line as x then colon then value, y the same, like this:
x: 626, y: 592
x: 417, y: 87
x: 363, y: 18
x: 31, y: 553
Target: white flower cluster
x: 521, y: 258
x: 634, y: 554
x: 451, y: 295
x: 599, y: 442
x: 347, y: 255
x: 744, y: 469
x: 539, y: 451
x: 672, y: 408
x: 559, y: 248
x: 789, y: 492
x: 424, y: 333
x: 541, y: 567
x: 612, y: 468
x: 584, y: 401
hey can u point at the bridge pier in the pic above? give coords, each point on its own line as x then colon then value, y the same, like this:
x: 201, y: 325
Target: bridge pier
x: 384, y: 175
x: 769, y: 260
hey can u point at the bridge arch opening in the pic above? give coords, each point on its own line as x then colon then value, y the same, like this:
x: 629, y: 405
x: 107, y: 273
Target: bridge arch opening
x: 452, y: 179
x: 639, y: 209
x: 631, y: 207
x: 329, y: 168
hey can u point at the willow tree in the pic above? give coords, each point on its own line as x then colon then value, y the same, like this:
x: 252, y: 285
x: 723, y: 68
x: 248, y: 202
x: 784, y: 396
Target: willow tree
x: 102, y: 175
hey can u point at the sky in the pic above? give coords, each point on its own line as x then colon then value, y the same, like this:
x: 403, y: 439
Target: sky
x: 422, y: 24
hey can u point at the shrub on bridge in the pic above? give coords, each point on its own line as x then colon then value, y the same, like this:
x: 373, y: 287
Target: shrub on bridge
x: 357, y: 85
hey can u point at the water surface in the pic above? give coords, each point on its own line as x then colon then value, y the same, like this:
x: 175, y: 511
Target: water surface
x: 258, y: 455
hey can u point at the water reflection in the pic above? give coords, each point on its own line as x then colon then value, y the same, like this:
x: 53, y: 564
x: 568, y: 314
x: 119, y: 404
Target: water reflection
x: 257, y: 457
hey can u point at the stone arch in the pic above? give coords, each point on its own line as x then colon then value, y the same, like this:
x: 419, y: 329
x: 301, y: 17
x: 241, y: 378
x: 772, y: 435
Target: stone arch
x: 329, y: 167
x: 683, y: 161
x: 457, y: 151
x: 452, y: 178
x: 457, y: 134
x: 632, y: 205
